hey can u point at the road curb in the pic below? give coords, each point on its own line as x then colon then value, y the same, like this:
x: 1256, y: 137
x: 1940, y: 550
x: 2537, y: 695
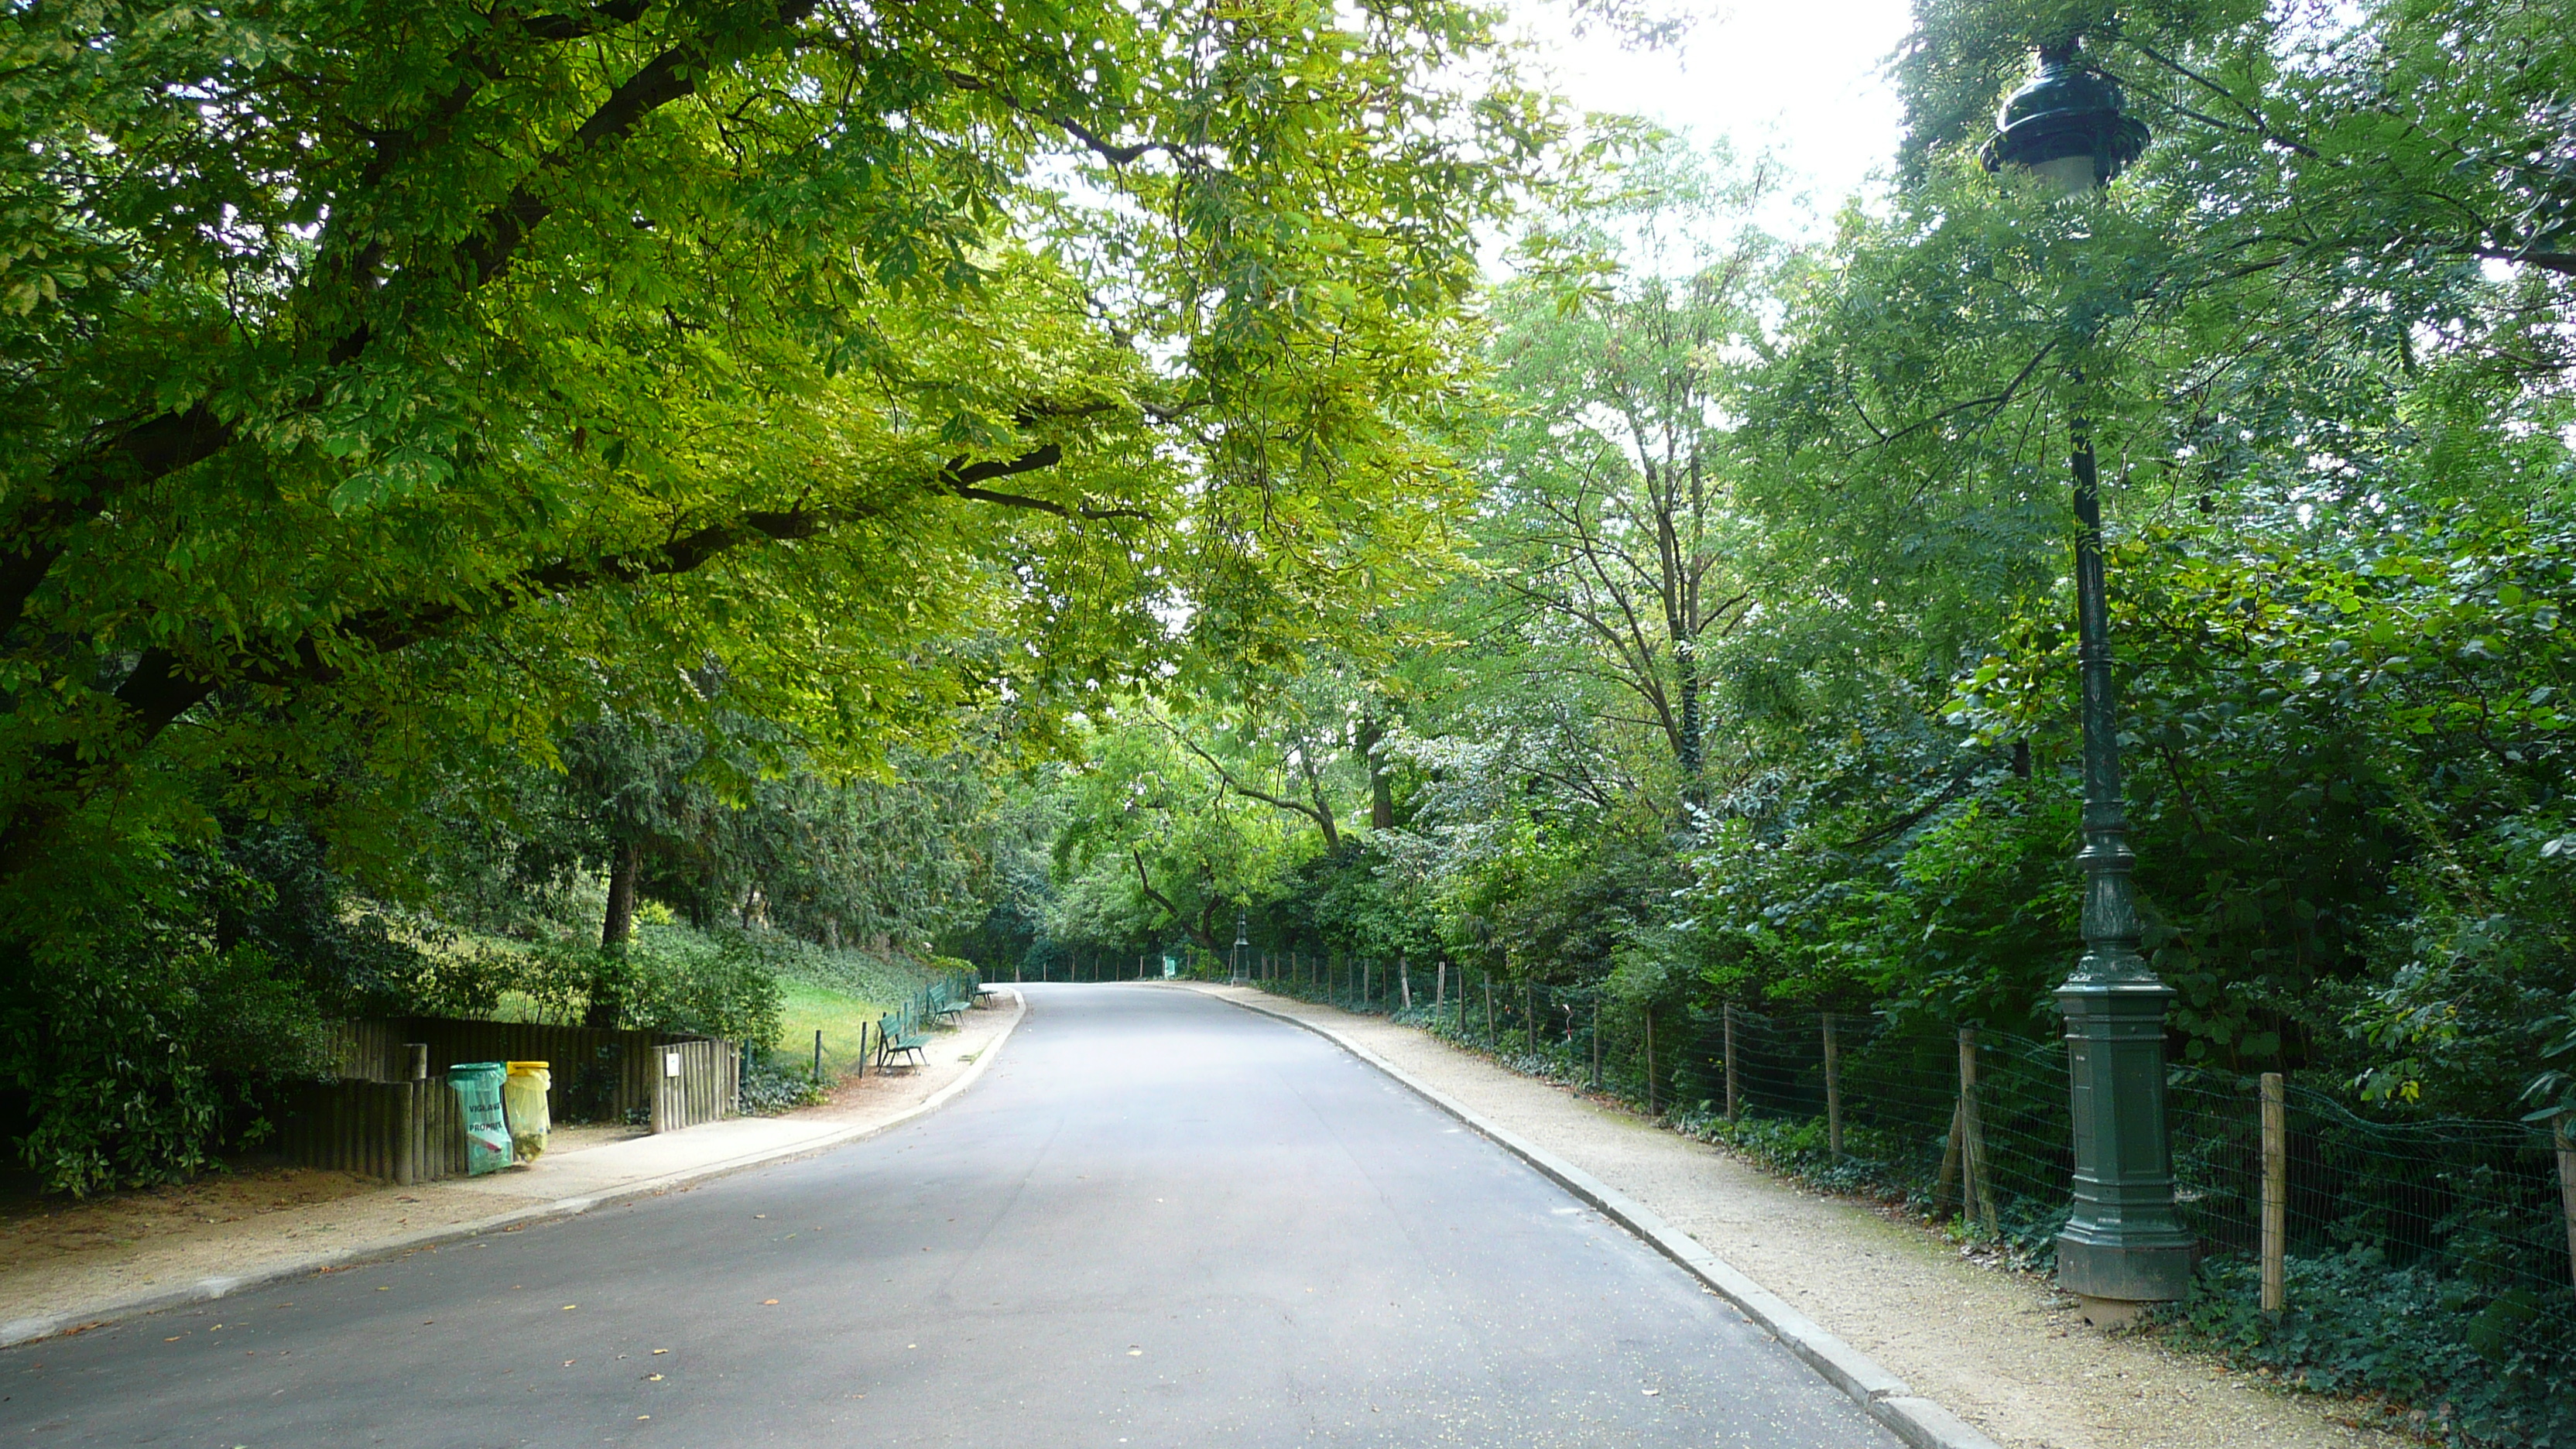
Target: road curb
x: 206, y: 1290
x: 1918, y: 1421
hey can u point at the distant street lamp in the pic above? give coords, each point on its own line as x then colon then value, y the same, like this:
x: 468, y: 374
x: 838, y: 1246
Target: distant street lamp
x: 1240, y: 941
x: 2123, y: 1247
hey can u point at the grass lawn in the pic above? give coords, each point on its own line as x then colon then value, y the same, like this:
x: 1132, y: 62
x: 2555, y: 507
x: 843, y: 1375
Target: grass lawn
x: 838, y: 1015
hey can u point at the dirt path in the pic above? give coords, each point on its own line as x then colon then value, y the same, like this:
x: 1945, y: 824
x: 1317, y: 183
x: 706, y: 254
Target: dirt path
x: 2001, y: 1350
x: 58, y: 1256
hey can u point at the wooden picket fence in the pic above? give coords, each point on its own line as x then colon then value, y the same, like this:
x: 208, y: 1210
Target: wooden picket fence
x: 403, y: 1132
x: 701, y: 1081
x: 392, y: 1115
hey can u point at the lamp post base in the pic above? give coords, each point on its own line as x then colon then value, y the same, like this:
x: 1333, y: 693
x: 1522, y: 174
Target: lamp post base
x: 2108, y: 1313
x: 2122, y: 1273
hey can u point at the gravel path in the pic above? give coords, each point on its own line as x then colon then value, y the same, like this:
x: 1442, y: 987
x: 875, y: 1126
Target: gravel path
x: 1999, y: 1349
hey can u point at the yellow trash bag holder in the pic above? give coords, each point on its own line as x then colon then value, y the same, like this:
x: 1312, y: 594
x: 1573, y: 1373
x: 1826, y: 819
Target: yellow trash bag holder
x: 523, y: 1101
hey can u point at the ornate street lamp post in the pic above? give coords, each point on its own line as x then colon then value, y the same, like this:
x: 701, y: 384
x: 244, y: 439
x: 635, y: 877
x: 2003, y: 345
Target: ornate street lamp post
x: 2123, y: 1247
x: 1240, y: 941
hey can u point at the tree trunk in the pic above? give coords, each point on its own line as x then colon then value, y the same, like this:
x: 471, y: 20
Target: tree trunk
x: 1204, y: 933
x: 1686, y: 666
x: 1381, y: 788
x: 616, y: 929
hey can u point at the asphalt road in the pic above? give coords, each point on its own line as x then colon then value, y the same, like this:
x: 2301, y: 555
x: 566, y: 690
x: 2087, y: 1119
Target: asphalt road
x: 1158, y: 1221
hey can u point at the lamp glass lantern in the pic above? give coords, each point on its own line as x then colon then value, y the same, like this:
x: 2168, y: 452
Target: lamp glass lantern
x: 2066, y: 126
x: 2124, y: 1245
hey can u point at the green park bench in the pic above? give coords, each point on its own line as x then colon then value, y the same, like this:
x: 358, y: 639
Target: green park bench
x: 900, y: 1033
x: 946, y: 1002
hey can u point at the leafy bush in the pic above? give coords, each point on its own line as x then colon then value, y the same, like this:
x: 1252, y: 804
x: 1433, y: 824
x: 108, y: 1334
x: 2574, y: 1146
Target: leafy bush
x: 2482, y: 1367
x: 138, y: 1052
x: 720, y: 985
x: 668, y: 978
x: 772, y: 1084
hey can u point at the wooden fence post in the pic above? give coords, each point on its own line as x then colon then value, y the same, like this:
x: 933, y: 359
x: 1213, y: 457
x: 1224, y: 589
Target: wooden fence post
x: 2276, y: 1190
x: 1833, y: 1092
x: 1949, y: 1165
x: 1404, y: 980
x: 406, y: 1133
x: 1977, y: 1189
x: 1650, y: 1061
x: 2566, y: 1134
x: 1489, y: 1008
x: 1596, y: 1039
x: 660, y: 1077
x: 1729, y: 1014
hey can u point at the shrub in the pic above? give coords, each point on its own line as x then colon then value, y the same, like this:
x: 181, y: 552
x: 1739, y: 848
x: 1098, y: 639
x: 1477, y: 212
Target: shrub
x: 668, y: 978
x: 137, y: 1053
x: 2484, y: 1367
x: 772, y: 1084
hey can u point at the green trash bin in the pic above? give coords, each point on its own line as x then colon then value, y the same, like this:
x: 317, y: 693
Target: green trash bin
x: 487, y: 1131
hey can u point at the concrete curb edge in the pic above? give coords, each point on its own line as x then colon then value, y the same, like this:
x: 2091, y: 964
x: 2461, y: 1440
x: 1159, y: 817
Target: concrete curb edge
x: 206, y: 1290
x: 1918, y: 1421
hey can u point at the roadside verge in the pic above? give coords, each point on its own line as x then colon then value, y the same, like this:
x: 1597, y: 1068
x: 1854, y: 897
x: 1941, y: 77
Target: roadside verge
x: 569, y: 1185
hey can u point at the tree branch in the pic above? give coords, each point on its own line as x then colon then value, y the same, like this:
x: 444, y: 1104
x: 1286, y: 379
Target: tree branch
x: 142, y: 453
x: 158, y: 446
x: 162, y: 686
x: 1198, y: 932
x: 1323, y: 818
x: 665, y: 78
x: 1099, y: 145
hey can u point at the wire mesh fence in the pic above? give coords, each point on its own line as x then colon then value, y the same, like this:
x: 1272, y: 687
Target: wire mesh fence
x: 2430, y: 1262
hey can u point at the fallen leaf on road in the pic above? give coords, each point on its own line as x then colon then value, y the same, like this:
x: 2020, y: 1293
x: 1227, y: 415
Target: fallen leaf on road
x: 765, y: 1302
x: 652, y: 1378
x: 661, y: 1350
x: 569, y: 1307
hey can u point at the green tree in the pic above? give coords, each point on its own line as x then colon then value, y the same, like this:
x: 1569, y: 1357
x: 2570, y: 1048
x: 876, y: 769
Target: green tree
x: 383, y: 386
x: 405, y: 368
x: 1610, y: 526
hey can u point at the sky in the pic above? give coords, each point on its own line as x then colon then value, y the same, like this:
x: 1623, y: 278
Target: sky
x: 1803, y: 76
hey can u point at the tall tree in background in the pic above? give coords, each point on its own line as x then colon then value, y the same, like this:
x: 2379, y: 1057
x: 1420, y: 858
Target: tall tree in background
x: 1611, y: 523
x: 1158, y: 839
